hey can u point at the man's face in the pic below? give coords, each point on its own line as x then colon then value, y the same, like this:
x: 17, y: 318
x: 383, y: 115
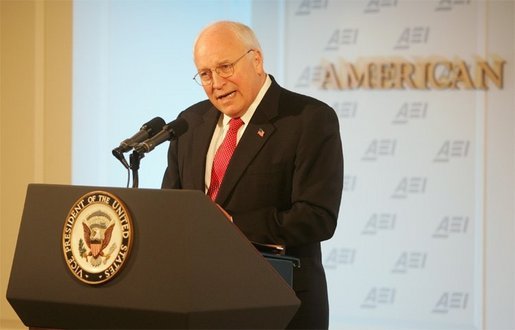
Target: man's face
x: 232, y: 95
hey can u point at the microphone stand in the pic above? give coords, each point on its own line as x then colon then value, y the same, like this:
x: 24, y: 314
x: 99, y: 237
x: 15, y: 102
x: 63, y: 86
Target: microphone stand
x: 135, y: 159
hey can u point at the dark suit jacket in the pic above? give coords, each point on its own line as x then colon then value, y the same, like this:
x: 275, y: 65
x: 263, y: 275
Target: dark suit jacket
x: 283, y: 184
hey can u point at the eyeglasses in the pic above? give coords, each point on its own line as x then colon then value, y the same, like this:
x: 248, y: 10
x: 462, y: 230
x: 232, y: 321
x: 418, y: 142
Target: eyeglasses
x: 205, y: 77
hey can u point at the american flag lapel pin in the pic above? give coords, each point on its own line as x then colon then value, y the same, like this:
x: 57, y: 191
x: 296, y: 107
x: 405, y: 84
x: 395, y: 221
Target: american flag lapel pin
x: 261, y: 133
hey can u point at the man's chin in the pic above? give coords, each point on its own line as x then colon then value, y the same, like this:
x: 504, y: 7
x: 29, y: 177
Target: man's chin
x: 230, y: 111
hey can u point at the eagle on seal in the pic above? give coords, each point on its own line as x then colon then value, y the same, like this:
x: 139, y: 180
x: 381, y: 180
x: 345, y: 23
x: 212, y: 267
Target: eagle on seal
x: 97, y: 235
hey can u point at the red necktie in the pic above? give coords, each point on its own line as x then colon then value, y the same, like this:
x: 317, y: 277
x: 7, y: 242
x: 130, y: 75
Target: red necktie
x: 223, y: 156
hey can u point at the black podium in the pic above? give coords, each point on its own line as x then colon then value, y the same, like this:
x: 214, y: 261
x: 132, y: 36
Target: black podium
x: 188, y: 268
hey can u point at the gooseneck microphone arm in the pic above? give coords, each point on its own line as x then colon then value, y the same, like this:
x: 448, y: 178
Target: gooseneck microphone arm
x: 170, y: 131
x: 135, y: 159
x: 148, y: 130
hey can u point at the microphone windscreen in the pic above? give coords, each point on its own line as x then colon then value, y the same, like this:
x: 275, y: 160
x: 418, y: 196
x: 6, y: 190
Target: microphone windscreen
x: 178, y: 127
x: 154, y: 126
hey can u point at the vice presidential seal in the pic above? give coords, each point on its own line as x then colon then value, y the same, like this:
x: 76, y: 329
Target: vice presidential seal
x: 97, y: 237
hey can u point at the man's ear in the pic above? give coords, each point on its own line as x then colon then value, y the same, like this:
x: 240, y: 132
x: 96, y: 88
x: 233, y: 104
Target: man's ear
x: 258, y: 61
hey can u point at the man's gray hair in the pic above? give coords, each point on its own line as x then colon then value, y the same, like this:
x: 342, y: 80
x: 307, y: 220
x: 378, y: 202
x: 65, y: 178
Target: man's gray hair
x: 244, y: 33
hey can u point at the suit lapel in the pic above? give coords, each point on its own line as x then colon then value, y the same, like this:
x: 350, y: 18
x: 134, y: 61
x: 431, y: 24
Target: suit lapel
x: 201, y: 140
x: 259, y: 130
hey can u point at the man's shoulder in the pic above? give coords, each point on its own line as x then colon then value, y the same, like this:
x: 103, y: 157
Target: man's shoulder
x: 295, y: 102
x: 301, y: 98
x: 199, y: 107
x: 287, y: 96
x: 197, y: 111
x: 295, y: 108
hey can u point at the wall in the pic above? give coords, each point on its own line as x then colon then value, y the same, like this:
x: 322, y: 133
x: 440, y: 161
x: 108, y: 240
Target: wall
x: 36, y: 103
x: 425, y: 236
x: 35, y: 122
x: 499, y: 193
x: 132, y: 62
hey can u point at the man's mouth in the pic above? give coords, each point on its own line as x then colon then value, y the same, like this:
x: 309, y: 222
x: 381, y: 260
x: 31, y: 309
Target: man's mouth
x: 225, y: 96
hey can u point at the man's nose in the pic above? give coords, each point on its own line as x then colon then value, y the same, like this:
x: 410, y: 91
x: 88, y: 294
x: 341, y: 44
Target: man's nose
x: 218, y: 81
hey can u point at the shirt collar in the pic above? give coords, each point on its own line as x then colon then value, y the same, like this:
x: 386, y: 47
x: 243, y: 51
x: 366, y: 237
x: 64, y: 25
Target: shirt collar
x: 250, y: 111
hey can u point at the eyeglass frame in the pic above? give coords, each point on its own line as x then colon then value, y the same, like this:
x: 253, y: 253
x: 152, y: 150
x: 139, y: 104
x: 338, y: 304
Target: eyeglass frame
x: 229, y: 66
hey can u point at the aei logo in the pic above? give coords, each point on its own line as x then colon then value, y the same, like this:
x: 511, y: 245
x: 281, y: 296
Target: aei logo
x: 409, y: 260
x: 410, y: 110
x: 451, y: 149
x: 451, y: 225
x: 409, y: 186
x: 374, y: 6
x: 342, y: 37
x: 378, y: 296
x: 379, y: 148
x: 339, y: 257
x: 349, y: 183
x: 451, y: 301
x: 308, y: 75
x: 306, y: 6
x: 345, y: 109
x: 379, y: 222
x: 447, y: 5
x: 412, y: 35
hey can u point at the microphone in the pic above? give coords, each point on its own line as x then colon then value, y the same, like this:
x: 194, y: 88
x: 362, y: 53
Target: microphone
x: 146, y: 131
x: 170, y: 131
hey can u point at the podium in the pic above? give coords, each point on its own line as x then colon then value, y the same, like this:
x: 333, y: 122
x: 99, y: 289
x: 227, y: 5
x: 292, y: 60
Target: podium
x: 188, y: 268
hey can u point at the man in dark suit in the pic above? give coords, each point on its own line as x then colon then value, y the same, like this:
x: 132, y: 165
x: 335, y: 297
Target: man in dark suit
x: 284, y: 181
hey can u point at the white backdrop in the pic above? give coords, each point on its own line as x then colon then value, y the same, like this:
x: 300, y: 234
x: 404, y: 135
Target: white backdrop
x: 406, y: 253
x: 409, y: 251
